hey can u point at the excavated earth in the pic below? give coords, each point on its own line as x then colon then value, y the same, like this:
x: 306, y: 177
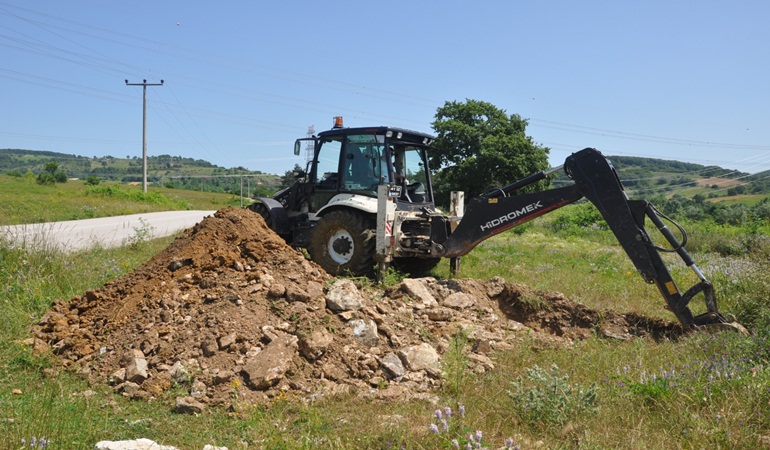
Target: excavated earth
x: 231, y: 315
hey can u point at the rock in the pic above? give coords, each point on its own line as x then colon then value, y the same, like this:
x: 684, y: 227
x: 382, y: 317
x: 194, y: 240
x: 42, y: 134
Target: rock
x: 482, y: 362
x: 268, y: 367
x: 222, y: 376
x: 365, y: 331
x: 226, y: 341
x: 459, y: 300
x: 138, y: 444
x: 417, y: 289
x: 188, y: 405
x: 136, y: 366
x: 117, y: 377
x: 209, y: 347
x: 314, y: 344
x: 439, y: 314
x: 276, y: 290
x: 296, y: 294
x: 421, y: 357
x: 343, y: 295
x: 392, y: 365
x: 198, y: 389
x: 495, y: 286
x: 179, y: 373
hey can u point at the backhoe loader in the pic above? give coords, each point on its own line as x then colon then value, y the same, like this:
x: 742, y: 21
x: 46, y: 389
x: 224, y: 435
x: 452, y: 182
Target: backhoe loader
x: 365, y: 202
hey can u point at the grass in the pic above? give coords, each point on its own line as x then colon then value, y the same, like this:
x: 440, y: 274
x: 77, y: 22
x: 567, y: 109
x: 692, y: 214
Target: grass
x: 24, y: 201
x: 702, y: 391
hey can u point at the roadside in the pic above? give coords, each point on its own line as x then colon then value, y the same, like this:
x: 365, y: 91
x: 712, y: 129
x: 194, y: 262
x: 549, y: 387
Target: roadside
x: 75, y: 235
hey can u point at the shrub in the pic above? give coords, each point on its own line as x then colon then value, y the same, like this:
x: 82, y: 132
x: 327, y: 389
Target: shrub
x: 547, y: 396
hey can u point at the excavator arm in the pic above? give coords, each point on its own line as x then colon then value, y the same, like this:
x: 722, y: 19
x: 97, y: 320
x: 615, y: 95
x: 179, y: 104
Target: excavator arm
x: 596, y: 180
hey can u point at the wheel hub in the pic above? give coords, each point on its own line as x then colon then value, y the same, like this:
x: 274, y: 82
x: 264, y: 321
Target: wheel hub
x: 341, y: 247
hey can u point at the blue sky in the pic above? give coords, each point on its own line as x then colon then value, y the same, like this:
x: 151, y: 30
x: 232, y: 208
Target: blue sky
x: 685, y: 80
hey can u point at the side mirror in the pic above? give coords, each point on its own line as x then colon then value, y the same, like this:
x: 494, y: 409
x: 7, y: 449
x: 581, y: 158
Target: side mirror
x: 297, y: 147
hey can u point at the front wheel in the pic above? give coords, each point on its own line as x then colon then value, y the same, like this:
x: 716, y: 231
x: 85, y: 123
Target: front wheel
x: 261, y: 209
x: 343, y: 243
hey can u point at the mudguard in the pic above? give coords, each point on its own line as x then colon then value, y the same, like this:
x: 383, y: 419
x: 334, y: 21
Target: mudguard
x: 359, y: 202
x: 277, y: 218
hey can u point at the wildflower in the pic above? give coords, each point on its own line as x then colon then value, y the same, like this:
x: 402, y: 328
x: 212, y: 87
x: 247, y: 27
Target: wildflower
x: 448, y: 412
x: 434, y: 428
x: 456, y: 444
x: 439, y: 415
x: 461, y: 410
x: 444, y: 425
x: 478, y: 435
x: 509, y: 443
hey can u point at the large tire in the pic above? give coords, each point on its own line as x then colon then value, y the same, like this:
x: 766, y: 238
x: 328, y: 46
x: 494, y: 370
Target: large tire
x: 261, y: 209
x: 343, y: 243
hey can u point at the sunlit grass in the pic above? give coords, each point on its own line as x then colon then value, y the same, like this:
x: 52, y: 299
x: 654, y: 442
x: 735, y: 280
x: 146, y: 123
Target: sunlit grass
x: 24, y: 201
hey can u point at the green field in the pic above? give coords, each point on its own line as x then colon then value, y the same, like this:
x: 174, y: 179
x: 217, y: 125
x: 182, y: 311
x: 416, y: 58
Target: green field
x: 701, y: 391
x: 22, y: 200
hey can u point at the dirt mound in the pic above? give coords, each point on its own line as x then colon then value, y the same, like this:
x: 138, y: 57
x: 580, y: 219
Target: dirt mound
x: 235, y: 316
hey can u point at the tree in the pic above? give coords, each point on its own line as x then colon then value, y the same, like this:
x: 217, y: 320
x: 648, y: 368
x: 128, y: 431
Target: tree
x: 52, y: 174
x: 481, y: 147
x: 290, y: 176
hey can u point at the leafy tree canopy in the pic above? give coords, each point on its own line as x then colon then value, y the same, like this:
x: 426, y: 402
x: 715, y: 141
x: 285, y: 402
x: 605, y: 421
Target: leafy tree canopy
x: 481, y: 147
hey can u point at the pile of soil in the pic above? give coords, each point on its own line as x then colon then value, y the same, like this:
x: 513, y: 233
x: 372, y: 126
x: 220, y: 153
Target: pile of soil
x: 233, y: 315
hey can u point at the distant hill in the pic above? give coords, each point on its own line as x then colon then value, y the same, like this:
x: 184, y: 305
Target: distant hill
x: 651, y: 176
x: 164, y: 170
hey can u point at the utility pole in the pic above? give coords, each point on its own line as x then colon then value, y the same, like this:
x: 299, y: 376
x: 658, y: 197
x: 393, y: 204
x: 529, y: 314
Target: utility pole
x: 144, y: 85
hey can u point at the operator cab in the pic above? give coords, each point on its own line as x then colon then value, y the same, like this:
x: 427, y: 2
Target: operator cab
x: 357, y: 160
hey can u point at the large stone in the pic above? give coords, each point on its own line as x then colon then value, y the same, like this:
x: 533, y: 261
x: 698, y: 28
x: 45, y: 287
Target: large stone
x: 421, y: 357
x: 314, y: 344
x: 343, y: 295
x: 417, y: 289
x: 297, y: 294
x: 226, y: 341
x: 460, y: 300
x: 365, y: 331
x: 136, y: 366
x: 392, y: 365
x: 268, y: 367
x: 179, y: 373
x: 137, y: 444
x: 188, y: 405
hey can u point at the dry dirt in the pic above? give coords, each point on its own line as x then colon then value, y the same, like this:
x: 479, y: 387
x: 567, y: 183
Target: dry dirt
x: 229, y: 314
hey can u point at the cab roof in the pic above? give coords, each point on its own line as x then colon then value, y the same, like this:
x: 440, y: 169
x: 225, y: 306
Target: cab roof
x: 405, y: 135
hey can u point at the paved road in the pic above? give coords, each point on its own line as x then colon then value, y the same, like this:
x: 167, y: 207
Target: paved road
x: 76, y: 235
